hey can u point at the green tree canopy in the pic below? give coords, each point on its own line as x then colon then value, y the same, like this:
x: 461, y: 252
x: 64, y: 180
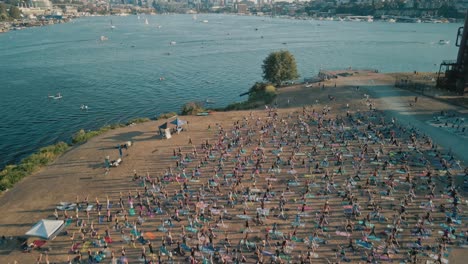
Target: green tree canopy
x: 279, y: 67
x: 15, y: 13
x: 3, y: 12
x: 3, y: 8
x: 262, y: 92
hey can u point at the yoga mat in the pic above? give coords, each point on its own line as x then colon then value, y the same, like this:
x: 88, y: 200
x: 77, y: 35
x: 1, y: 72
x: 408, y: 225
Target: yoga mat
x: 131, y: 211
x: 163, y: 250
x: 246, y: 217
x: 278, y: 233
x: 443, y: 260
x: 306, y: 208
x: 126, y: 238
x: 296, y: 239
x: 247, y: 243
x: 298, y: 224
x: 135, y: 233
x: 185, y: 247
x: 364, y: 244
x: 294, y: 183
x: 150, y: 235
x: 205, y: 219
x: 68, y: 222
x: 75, y: 247
x: 316, y: 239
x: 85, y: 247
x: 263, y: 211
x: 207, y: 250
x: 344, y: 234
x: 39, y: 243
x: 191, y: 229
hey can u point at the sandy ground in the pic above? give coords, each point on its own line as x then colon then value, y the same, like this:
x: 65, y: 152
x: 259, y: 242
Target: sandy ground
x: 80, y: 172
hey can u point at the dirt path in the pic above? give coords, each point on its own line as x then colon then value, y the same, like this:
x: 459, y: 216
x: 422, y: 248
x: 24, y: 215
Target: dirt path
x: 396, y: 103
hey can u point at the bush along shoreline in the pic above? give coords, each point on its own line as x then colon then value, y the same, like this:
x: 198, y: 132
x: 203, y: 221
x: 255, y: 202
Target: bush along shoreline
x: 12, y: 174
x: 259, y: 94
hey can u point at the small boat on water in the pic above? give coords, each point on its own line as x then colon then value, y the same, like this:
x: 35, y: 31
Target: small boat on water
x: 112, y: 25
x: 55, y: 97
x: 104, y: 38
x: 208, y: 101
x: 444, y: 42
x: 146, y: 22
x: 84, y: 107
x: 205, y: 21
x: 173, y: 43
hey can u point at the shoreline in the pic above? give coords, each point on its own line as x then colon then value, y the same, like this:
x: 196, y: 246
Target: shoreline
x: 326, y: 77
x: 6, y: 26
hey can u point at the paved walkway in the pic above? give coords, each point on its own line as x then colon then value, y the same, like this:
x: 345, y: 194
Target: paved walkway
x: 396, y: 103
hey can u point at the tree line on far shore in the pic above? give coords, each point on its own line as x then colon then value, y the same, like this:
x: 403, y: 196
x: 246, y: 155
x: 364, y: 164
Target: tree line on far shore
x: 9, y: 12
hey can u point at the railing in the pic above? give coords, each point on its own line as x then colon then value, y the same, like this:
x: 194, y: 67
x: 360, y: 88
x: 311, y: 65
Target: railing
x: 449, y: 62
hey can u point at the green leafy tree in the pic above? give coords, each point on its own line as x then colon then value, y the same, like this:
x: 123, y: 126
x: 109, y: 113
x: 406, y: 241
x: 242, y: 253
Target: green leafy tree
x: 15, y: 13
x: 3, y: 12
x: 3, y: 8
x: 262, y: 92
x: 279, y: 67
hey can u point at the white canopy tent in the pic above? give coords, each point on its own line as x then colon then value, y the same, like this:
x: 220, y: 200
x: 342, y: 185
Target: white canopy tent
x: 45, y: 228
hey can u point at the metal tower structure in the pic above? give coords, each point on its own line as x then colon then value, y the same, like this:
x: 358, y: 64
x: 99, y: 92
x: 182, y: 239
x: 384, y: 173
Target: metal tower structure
x: 453, y: 75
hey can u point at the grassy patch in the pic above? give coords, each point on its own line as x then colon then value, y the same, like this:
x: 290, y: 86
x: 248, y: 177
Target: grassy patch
x: 83, y: 136
x: 192, y: 108
x: 259, y: 94
x: 138, y: 120
x: 243, y: 105
x: 167, y: 115
x: 12, y: 174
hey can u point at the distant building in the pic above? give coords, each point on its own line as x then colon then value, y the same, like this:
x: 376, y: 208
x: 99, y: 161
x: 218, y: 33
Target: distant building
x: 42, y: 4
x: 242, y: 9
x: 36, y: 7
x: 71, y: 11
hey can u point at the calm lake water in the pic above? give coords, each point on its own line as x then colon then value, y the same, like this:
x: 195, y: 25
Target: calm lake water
x: 120, y: 78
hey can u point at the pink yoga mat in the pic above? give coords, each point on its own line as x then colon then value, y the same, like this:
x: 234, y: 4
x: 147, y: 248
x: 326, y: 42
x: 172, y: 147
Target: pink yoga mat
x: 307, y: 208
x: 344, y: 234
